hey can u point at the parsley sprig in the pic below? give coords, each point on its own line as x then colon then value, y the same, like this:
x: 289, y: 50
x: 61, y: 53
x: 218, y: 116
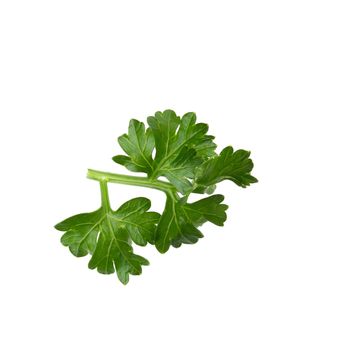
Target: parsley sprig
x: 179, y: 150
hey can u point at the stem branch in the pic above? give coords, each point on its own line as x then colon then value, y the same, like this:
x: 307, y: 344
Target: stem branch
x: 104, y: 196
x: 105, y: 177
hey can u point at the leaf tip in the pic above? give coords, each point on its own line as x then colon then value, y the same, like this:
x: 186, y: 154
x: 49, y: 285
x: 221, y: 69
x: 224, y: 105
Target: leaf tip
x: 162, y: 248
x: 59, y: 227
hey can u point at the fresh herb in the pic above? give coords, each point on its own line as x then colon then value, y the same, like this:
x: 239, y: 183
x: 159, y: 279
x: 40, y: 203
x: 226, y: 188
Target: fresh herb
x: 178, y: 149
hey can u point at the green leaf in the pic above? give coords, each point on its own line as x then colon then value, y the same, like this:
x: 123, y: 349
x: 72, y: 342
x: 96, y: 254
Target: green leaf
x: 194, y: 135
x: 107, y: 235
x: 139, y: 145
x: 164, y: 126
x: 229, y: 165
x: 180, y: 220
x: 114, y: 252
x: 139, y: 223
x: 181, y: 146
x: 81, y: 232
x: 207, y: 209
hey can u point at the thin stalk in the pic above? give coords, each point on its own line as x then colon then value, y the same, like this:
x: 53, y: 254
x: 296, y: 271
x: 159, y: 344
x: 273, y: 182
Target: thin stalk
x: 131, y: 180
x: 104, y: 196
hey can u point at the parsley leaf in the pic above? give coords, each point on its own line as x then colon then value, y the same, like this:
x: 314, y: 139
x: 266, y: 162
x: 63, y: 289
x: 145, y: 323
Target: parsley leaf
x: 180, y: 220
x: 181, y: 151
x: 139, y: 145
x: 229, y: 165
x: 81, y: 232
x: 181, y: 145
x: 107, y: 235
x: 114, y: 253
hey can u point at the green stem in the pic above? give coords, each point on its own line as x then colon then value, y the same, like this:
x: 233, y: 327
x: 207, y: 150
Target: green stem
x: 104, y: 177
x: 104, y: 196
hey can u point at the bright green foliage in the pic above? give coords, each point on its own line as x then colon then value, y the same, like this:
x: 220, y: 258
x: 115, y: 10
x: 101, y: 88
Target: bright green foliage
x: 107, y: 235
x: 181, y: 145
x: 81, y: 232
x: 229, y: 165
x: 138, y: 144
x: 180, y: 220
x: 178, y: 153
x: 178, y: 149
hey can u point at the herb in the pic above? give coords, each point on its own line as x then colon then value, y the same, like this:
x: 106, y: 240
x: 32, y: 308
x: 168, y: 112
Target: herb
x: 178, y: 149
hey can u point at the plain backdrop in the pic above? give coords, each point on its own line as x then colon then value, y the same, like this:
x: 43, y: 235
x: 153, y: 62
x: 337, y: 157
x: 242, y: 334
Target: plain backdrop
x: 272, y: 77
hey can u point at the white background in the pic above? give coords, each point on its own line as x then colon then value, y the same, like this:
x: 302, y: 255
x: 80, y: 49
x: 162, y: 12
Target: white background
x: 268, y: 76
